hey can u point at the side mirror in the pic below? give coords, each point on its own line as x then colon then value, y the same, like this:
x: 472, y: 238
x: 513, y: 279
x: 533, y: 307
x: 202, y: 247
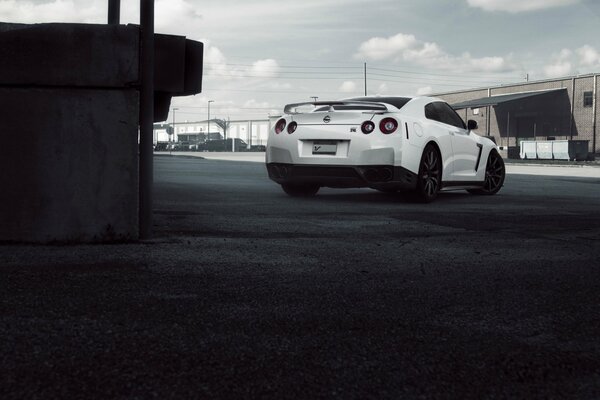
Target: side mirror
x: 471, y: 124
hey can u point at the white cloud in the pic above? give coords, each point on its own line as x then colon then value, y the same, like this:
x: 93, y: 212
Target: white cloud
x: 263, y: 106
x: 217, y: 67
x: 383, y: 88
x: 348, y: 87
x: 558, y: 69
x: 516, y: 6
x: 215, y: 62
x: 561, y: 64
x: 178, y: 17
x: 53, y: 11
x: 568, y: 62
x: 424, y: 52
x: 487, y: 64
x: 265, y: 68
x: 378, y: 48
x: 403, y: 48
x: 589, y: 56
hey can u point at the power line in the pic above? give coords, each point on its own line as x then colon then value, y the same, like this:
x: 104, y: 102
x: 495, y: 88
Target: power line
x: 286, y: 66
x: 463, y: 75
x: 276, y: 77
x: 359, y: 69
x: 431, y: 79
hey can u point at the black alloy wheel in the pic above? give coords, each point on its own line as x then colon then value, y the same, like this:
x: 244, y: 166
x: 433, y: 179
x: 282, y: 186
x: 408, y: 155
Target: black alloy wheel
x: 429, y: 180
x: 300, y: 190
x: 494, y: 175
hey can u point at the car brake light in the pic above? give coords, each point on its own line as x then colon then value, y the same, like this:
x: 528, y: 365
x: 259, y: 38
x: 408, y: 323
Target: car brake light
x: 280, y: 126
x: 367, y: 127
x: 292, y: 127
x: 388, y: 125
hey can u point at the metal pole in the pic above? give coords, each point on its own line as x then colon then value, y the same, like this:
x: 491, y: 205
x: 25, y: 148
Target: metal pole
x: 250, y: 135
x: 208, y: 120
x: 487, y: 119
x: 146, y: 117
x: 594, y: 108
x: 173, y: 135
x: 508, y: 132
x: 114, y: 12
x: 365, y: 79
x: 572, y: 109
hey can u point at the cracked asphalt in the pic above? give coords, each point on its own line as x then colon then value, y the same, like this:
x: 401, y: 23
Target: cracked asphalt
x: 246, y: 293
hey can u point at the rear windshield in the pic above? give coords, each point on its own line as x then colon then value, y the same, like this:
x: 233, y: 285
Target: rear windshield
x: 397, y: 102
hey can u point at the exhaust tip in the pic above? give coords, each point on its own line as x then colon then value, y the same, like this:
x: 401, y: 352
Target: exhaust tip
x: 378, y: 174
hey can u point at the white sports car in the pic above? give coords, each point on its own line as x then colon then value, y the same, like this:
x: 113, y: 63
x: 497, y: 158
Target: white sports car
x: 416, y: 144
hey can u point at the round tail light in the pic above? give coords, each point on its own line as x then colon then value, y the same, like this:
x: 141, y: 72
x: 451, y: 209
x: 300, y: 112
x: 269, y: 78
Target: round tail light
x: 367, y: 127
x: 388, y: 125
x: 280, y: 126
x: 292, y: 127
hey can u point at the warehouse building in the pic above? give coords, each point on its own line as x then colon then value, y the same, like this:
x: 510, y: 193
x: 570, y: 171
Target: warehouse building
x: 554, y: 109
x: 253, y: 132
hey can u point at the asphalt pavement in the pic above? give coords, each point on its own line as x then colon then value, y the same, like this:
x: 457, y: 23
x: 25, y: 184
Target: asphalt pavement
x: 245, y: 292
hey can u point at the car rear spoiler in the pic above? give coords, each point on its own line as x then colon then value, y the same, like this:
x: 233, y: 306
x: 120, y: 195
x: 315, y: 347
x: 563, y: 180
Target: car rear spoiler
x: 290, y: 108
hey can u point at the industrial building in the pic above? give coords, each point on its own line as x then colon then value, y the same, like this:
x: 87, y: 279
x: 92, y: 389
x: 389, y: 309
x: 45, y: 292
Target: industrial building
x: 554, y: 109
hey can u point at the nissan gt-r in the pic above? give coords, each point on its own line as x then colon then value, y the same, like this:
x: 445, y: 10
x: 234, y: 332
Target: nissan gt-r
x: 414, y: 144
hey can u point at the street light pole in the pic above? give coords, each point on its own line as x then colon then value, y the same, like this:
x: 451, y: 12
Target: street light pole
x: 173, y: 134
x: 208, y: 120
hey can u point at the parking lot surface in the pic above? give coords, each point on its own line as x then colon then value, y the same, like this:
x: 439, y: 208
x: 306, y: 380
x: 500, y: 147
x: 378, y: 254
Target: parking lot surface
x: 245, y: 292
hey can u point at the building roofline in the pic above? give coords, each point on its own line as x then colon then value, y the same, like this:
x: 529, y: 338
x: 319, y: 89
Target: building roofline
x: 589, y: 75
x: 212, y: 121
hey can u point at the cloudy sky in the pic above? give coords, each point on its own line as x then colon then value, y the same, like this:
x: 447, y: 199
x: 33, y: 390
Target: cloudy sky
x: 262, y: 54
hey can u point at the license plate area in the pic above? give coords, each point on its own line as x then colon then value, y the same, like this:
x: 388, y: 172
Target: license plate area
x: 324, y: 147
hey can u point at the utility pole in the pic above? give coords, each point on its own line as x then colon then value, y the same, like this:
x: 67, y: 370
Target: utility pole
x: 365, y: 79
x: 173, y: 134
x: 208, y: 120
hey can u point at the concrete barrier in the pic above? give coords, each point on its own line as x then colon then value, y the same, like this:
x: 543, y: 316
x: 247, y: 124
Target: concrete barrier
x: 69, y: 98
x: 69, y: 132
x: 568, y: 150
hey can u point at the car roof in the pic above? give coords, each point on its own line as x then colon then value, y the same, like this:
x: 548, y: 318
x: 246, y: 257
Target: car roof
x: 396, y: 101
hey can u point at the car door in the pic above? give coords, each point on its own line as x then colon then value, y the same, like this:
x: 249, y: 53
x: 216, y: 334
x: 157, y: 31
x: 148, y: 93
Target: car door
x: 466, y: 150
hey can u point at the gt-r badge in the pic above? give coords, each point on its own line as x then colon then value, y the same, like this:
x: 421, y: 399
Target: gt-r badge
x: 327, y: 119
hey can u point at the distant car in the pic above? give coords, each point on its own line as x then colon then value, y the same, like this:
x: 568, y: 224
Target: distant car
x: 258, y: 148
x: 160, y: 146
x: 416, y: 144
x: 223, y: 145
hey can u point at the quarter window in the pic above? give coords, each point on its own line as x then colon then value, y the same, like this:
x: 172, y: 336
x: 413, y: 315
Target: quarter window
x: 431, y: 112
x: 442, y: 112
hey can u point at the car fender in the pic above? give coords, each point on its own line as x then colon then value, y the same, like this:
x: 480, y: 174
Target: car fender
x: 429, y: 133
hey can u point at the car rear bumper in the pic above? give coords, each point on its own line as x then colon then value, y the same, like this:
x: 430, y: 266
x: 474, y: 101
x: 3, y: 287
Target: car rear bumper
x: 344, y: 176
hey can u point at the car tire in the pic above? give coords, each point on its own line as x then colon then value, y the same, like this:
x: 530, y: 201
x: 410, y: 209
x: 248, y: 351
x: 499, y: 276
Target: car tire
x: 495, y: 173
x: 429, y: 179
x: 300, y: 190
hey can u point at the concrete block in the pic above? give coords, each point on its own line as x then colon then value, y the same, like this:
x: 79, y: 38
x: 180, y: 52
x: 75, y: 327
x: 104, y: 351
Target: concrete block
x: 68, y: 161
x: 83, y: 55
